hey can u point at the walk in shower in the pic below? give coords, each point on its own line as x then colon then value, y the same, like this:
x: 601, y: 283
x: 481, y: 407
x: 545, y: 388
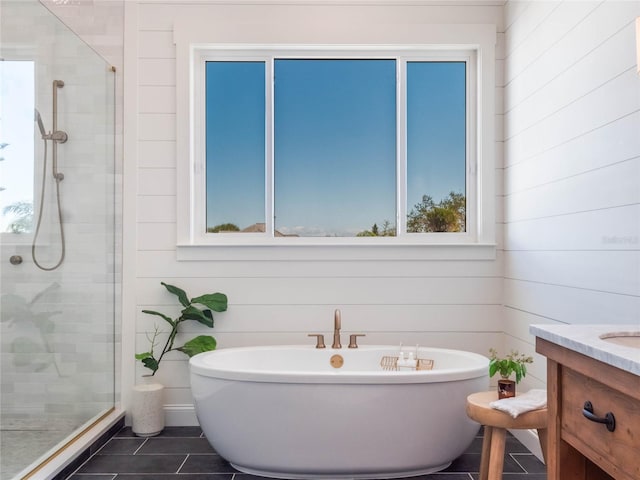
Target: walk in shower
x: 58, y: 263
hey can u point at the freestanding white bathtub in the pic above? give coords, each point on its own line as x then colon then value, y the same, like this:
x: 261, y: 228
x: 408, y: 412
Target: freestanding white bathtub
x: 285, y: 412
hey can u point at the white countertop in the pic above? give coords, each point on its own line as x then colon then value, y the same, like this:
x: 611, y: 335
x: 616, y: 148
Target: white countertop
x: 585, y: 339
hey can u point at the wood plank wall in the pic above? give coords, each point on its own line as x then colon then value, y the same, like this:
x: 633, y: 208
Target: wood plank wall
x: 572, y: 168
x: 455, y: 304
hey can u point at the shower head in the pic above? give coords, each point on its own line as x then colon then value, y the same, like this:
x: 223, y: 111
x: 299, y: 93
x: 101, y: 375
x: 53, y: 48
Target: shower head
x: 38, y: 119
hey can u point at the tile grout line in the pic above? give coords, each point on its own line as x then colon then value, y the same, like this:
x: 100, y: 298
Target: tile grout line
x: 518, y: 463
x: 90, y: 458
x: 141, y: 445
x: 183, y: 462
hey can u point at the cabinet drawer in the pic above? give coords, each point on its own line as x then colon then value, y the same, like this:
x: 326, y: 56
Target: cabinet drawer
x: 617, y: 452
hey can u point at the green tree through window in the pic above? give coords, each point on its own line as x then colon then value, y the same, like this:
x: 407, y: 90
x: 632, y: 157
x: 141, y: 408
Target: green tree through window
x: 448, y: 215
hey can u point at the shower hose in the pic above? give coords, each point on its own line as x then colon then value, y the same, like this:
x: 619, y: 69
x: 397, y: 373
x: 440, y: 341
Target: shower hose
x: 57, y: 178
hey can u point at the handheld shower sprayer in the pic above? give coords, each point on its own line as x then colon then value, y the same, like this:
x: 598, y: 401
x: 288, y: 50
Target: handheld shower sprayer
x: 38, y: 120
x: 58, y: 136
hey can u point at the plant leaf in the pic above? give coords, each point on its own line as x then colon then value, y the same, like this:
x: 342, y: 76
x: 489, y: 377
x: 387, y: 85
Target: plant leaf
x: 178, y: 292
x: 521, y: 372
x: 203, y: 316
x: 151, y: 363
x: 142, y: 356
x: 168, y: 319
x: 202, y: 343
x: 493, y: 368
x: 215, y: 301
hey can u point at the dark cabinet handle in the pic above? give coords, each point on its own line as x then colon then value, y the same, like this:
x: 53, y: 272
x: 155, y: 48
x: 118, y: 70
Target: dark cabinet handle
x: 609, y: 420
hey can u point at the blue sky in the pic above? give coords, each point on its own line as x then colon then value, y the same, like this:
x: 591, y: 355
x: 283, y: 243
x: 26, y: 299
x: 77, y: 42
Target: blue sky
x: 235, y: 105
x: 334, y: 142
x: 435, y: 130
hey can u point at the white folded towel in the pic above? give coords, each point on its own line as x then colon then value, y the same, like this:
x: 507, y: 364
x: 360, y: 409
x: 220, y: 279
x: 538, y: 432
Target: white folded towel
x: 534, y: 399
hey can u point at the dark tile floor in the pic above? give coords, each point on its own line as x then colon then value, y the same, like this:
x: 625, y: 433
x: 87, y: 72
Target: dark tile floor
x: 182, y: 453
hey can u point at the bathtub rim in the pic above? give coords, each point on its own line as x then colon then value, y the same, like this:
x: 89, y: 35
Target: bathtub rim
x: 198, y: 366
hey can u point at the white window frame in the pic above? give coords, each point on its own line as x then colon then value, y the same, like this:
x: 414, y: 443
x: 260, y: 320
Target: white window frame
x: 477, y: 243
x: 268, y: 57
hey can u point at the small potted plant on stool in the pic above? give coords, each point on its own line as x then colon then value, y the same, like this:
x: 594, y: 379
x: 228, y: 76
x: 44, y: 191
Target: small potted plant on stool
x: 514, y: 362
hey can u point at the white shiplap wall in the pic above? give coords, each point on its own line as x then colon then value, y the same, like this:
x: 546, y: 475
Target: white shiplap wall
x: 455, y: 304
x: 572, y: 168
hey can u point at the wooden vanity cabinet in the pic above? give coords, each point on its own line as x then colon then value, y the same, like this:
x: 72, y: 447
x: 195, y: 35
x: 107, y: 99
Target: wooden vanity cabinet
x: 578, y: 448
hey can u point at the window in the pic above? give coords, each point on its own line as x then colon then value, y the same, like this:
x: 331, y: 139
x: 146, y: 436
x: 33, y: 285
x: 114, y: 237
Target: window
x: 337, y: 146
x: 384, y: 225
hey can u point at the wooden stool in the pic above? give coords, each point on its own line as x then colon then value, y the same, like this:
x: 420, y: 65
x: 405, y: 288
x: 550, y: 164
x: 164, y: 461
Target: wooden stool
x: 496, y: 424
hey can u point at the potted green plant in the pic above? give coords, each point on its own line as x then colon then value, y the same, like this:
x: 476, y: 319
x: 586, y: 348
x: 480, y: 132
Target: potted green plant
x: 147, y: 405
x: 514, y: 362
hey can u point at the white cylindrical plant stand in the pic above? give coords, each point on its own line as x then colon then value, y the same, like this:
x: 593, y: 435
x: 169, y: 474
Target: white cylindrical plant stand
x: 147, y: 410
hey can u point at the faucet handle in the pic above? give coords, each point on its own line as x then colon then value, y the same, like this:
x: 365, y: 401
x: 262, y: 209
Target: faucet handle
x: 353, y: 339
x: 319, y: 339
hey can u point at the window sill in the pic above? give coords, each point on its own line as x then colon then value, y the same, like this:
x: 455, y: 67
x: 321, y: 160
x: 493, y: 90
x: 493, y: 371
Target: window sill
x: 352, y: 252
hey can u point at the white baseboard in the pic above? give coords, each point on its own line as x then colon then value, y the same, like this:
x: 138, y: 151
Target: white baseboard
x: 529, y: 438
x: 175, y: 415
x: 180, y: 415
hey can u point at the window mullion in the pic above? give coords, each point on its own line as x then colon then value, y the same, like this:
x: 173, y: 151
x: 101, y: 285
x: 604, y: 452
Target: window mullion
x: 471, y: 154
x: 269, y: 147
x: 401, y: 148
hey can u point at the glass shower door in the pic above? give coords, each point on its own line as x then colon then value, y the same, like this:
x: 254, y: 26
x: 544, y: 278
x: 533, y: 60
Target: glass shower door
x: 57, y: 246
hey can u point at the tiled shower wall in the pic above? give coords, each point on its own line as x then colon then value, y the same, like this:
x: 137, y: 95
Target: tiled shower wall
x: 58, y: 327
